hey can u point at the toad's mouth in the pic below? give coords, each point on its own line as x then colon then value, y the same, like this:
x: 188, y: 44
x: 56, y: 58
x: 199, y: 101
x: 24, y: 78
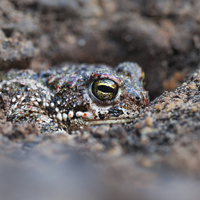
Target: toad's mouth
x: 90, y: 120
x: 78, y: 120
x: 79, y: 123
x: 76, y: 124
x: 108, y: 121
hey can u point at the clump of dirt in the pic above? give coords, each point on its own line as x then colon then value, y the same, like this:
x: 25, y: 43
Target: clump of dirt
x: 17, y: 131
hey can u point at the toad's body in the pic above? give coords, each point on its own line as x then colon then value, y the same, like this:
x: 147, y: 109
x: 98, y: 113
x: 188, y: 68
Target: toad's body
x: 73, y: 96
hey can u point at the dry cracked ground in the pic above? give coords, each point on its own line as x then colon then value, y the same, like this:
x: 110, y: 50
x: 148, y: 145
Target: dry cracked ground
x: 155, y: 157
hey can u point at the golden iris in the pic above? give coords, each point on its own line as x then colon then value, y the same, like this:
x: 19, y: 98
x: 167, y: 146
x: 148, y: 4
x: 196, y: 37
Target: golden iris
x: 104, y: 89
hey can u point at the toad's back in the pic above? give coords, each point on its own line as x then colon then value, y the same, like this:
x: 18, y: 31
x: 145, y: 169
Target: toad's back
x: 73, y: 96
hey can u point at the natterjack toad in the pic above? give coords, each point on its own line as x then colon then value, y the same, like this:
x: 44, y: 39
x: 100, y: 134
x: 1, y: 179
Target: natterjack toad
x: 73, y: 96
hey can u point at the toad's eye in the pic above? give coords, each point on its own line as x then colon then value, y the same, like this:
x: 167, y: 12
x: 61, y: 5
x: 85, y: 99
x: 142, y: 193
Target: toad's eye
x: 104, y: 89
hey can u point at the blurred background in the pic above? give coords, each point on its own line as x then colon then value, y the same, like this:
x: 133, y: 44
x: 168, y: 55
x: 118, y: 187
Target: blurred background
x: 161, y: 35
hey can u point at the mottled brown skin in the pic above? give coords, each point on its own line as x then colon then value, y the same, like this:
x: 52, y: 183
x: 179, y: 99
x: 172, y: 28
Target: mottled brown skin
x: 74, y: 96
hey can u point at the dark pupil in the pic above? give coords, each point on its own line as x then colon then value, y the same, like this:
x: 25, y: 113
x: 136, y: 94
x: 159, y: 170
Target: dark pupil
x: 106, y: 89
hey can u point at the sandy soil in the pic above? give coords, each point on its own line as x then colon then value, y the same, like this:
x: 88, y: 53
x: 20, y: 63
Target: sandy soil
x: 155, y: 157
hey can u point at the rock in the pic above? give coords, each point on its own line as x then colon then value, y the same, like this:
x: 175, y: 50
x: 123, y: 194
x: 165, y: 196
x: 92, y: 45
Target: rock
x: 15, y: 53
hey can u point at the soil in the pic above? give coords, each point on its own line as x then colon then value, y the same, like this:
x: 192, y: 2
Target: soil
x: 155, y: 157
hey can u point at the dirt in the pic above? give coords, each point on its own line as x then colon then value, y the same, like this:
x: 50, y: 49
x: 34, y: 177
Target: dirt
x: 156, y: 156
